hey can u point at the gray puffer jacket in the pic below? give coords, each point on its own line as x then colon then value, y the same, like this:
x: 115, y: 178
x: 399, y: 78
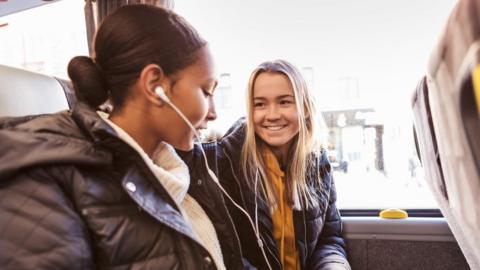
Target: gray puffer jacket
x: 75, y: 196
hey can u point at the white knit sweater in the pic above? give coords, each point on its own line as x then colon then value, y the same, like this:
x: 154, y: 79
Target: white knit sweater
x: 173, y: 174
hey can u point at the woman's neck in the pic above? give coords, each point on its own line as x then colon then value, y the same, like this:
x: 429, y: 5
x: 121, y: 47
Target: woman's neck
x: 281, y: 156
x: 184, y: 143
x: 133, y: 124
x: 138, y: 125
x: 281, y: 153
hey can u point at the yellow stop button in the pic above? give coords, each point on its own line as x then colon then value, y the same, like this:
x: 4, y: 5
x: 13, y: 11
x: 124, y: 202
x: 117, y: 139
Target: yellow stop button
x: 393, y: 213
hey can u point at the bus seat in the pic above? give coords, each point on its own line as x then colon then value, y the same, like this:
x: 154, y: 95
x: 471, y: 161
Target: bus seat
x: 447, y: 122
x: 24, y: 92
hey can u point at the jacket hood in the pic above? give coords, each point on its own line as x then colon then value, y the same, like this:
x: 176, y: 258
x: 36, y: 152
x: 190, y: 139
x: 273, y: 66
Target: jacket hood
x: 51, y: 139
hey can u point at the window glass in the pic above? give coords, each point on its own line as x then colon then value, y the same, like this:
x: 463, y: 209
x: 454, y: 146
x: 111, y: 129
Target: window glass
x: 45, y: 38
x: 362, y: 59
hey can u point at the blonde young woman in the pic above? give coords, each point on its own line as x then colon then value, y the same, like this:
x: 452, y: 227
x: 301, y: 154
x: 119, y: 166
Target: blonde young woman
x: 273, y: 166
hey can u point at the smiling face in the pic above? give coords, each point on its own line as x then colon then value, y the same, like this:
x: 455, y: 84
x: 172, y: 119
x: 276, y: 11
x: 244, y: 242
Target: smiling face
x: 275, y: 115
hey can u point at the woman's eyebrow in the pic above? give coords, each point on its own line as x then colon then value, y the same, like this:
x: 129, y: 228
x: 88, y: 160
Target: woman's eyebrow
x: 285, y: 96
x: 278, y: 97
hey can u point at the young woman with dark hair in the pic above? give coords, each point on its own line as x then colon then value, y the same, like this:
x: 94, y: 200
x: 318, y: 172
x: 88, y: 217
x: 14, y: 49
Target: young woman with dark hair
x: 82, y: 189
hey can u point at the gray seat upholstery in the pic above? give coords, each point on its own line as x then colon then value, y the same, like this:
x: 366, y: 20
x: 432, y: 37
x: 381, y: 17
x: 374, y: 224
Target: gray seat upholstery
x: 26, y: 93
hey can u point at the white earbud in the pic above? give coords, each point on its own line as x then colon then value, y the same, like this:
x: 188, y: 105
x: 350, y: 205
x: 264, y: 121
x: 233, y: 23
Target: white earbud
x: 161, y: 94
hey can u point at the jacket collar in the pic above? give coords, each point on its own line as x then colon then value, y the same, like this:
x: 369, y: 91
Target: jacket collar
x: 52, y: 139
x: 233, y: 140
x: 165, y: 164
x: 91, y: 124
x: 139, y: 182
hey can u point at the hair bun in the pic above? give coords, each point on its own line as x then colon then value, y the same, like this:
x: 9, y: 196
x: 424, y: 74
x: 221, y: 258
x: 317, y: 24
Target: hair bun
x: 88, y: 81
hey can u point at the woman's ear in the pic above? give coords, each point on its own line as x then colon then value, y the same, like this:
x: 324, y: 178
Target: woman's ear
x: 151, y: 77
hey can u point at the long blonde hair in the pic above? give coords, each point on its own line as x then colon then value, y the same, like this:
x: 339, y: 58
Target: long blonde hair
x: 306, y: 142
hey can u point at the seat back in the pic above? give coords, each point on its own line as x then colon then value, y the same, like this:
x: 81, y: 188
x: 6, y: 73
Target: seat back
x: 447, y: 121
x: 27, y: 93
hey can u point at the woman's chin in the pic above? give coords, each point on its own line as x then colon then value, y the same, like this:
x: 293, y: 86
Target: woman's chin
x: 184, y: 145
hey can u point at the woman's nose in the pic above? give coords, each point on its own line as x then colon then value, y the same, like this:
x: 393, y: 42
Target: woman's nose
x: 272, y: 113
x: 212, y: 112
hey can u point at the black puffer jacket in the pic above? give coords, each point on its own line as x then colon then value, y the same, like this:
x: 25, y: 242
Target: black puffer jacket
x: 75, y: 196
x: 318, y: 231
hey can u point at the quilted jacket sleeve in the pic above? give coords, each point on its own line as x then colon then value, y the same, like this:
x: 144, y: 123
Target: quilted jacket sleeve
x: 330, y: 251
x: 39, y: 228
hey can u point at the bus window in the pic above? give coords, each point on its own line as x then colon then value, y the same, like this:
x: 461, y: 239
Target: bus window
x: 45, y: 38
x: 362, y: 59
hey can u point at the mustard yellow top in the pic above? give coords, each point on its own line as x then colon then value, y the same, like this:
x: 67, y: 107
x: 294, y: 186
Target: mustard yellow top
x: 282, y: 216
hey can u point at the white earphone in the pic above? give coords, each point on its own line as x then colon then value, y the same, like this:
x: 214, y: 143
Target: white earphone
x: 161, y: 94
